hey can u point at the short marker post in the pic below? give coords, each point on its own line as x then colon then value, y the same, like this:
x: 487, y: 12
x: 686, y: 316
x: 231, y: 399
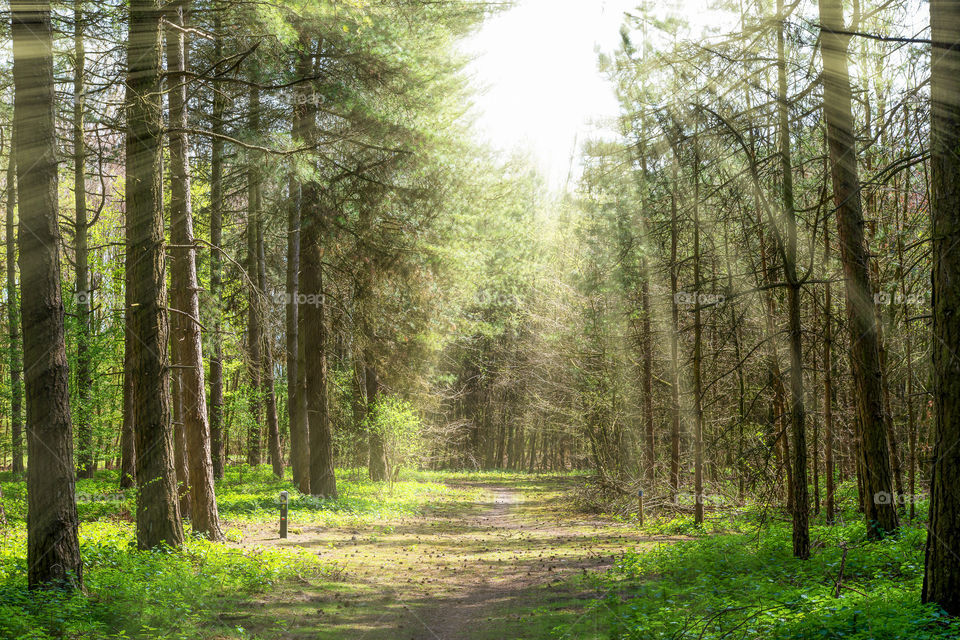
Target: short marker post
x: 283, y: 514
x: 640, y: 506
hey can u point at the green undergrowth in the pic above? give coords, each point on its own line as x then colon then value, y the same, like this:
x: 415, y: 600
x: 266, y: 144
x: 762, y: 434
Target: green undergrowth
x: 736, y: 578
x: 252, y: 495
x: 142, y: 594
x: 167, y: 594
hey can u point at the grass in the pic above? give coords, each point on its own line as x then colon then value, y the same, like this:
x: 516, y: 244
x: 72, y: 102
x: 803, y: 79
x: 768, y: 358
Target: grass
x: 173, y: 594
x: 733, y: 578
x: 737, y: 579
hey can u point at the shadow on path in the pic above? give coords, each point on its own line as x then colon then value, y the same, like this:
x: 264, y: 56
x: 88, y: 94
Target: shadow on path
x: 494, y: 573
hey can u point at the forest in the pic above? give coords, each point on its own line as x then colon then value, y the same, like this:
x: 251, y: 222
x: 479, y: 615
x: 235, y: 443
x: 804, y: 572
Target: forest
x: 288, y: 349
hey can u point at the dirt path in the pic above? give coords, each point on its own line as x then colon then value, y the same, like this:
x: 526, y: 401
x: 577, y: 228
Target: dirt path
x: 507, y: 570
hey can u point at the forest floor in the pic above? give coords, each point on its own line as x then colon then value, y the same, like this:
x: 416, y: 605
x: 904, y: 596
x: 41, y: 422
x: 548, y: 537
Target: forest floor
x: 473, y: 556
x: 512, y: 565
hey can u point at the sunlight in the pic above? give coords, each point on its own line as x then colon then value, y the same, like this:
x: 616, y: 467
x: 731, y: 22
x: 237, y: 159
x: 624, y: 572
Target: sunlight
x: 539, y: 87
x: 541, y: 90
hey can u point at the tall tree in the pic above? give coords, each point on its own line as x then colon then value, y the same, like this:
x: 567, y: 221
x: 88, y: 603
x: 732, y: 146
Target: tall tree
x: 304, y: 112
x: 941, y: 580
x: 53, y: 547
x: 377, y: 462
x: 828, y: 386
x: 313, y: 332
x: 697, y: 346
x: 13, y: 319
x: 85, y: 457
x: 185, y: 290
x: 266, y: 374
x: 216, y: 261
x: 254, y: 307
x: 158, y: 512
x: 798, y: 414
x: 879, y: 508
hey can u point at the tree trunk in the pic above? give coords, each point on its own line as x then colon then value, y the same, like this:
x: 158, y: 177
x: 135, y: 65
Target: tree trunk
x: 179, y: 436
x: 646, y: 338
x: 53, y: 548
x: 908, y: 339
x: 128, y: 453
x: 216, y: 263
x: 313, y: 331
x: 697, y: 352
x: 299, y: 443
x: 674, y: 337
x: 158, y: 514
x: 254, y: 338
x: 377, y: 465
x: 313, y: 326
x: 798, y: 414
x: 186, y: 297
x: 941, y: 580
x: 828, y: 386
x: 13, y: 319
x: 303, y: 417
x: 84, y: 293
x: 377, y: 462
x: 879, y: 508
x: 895, y: 467
x: 266, y: 374
x: 303, y: 129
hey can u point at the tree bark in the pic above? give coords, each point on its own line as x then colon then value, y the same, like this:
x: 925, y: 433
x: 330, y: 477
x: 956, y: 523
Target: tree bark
x: 377, y: 462
x: 377, y: 466
x: 186, y: 294
x: 216, y: 263
x: 266, y: 374
x: 13, y: 319
x: 179, y: 436
x: 798, y: 414
x: 313, y: 325
x: 674, y: 337
x: 299, y: 445
x: 53, y: 548
x: 879, y: 508
x: 303, y: 115
x: 84, y: 299
x: 254, y: 338
x: 313, y: 332
x: 128, y: 445
x: 697, y: 352
x: 828, y: 387
x: 646, y: 338
x: 941, y: 580
x: 158, y: 514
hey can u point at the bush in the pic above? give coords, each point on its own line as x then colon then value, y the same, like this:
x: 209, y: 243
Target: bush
x: 401, y: 430
x: 749, y: 586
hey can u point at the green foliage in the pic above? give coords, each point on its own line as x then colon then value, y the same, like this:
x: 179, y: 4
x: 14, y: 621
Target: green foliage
x: 742, y: 585
x: 251, y: 495
x: 174, y: 594
x: 142, y: 594
x: 401, y: 430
